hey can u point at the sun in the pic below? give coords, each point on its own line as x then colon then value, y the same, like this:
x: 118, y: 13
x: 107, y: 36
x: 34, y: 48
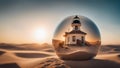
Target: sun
x: 40, y: 34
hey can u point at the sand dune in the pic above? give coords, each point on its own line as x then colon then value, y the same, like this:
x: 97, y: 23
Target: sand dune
x: 33, y: 46
x: 77, y: 55
x: 51, y: 63
x: 98, y: 62
x: 8, y: 58
x: 110, y: 49
x: 45, y: 57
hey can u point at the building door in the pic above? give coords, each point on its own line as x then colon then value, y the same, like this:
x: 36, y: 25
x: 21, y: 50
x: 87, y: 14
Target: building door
x: 78, y: 42
x: 82, y: 39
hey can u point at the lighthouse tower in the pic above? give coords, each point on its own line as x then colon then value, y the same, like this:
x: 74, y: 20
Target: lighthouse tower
x: 75, y: 36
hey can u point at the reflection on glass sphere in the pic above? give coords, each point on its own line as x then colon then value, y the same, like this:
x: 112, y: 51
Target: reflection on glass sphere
x: 76, y: 38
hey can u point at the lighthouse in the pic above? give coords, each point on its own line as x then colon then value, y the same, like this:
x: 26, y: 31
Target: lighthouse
x: 75, y: 36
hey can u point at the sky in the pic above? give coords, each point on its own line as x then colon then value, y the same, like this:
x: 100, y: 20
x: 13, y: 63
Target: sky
x: 21, y: 20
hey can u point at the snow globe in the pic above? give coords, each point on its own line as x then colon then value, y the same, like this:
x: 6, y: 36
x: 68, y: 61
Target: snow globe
x: 76, y: 38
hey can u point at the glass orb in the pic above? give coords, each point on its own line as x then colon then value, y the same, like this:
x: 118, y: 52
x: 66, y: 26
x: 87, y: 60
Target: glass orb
x: 76, y: 38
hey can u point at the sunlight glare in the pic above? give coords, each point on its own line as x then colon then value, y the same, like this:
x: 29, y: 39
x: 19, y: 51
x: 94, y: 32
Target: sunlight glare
x: 40, y: 34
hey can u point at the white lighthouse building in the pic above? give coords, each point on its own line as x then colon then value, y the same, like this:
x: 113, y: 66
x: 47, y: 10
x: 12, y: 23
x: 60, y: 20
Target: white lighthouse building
x: 76, y: 36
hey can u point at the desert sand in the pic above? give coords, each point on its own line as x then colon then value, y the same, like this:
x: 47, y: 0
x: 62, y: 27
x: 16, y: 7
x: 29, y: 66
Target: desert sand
x: 44, y: 56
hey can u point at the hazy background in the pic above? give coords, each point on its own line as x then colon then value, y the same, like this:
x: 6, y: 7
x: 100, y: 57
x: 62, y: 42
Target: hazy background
x: 20, y: 18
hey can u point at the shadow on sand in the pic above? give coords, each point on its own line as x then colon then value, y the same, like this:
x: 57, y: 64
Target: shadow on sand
x: 31, y: 55
x: 9, y: 65
x: 2, y: 52
x: 94, y: 63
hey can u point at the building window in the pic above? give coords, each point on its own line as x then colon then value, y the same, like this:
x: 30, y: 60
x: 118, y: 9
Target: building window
x: 68, y: 39
x: 76, y: 27
x: 73, y: 38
